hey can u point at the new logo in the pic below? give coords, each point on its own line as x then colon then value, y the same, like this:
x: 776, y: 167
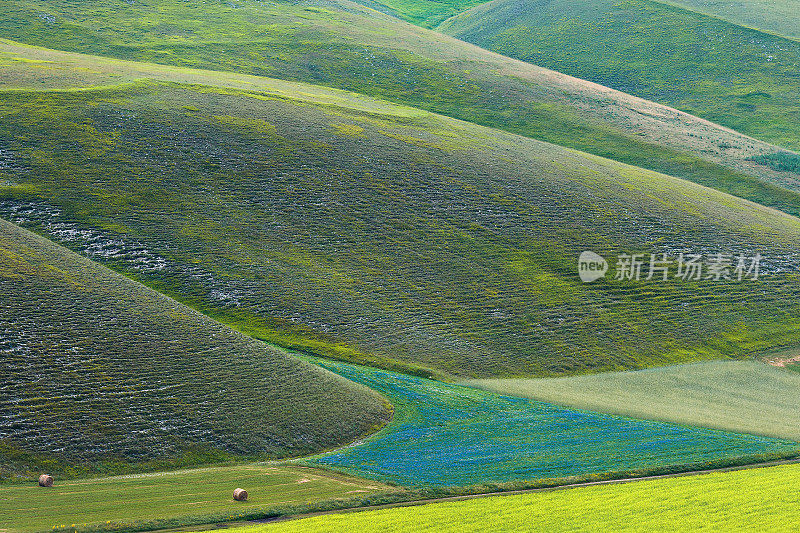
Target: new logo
x: 591, y: 267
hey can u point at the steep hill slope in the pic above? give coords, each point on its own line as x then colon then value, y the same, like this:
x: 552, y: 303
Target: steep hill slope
x: 738, y: 77
x: 99, y: 372
x: 341, y: 44
x: 374, y: 229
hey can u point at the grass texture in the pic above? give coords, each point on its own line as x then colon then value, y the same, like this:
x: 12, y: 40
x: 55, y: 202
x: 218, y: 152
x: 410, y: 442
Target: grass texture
x: 339, y: 44
x: 448, y: 435
x: 171, y: 499
x: 760, y: 499
x: 407, y: 241
x: 101, y: 374
x: 743, y: 396
x: 731, y: 75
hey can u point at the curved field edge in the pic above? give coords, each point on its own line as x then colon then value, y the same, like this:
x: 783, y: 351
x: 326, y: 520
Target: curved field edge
x: 741, y: 396
x: 405, y: 64
x: 745, y: 500
x: 447, y: 435
x: 103, y: 375
x: 353, y: 227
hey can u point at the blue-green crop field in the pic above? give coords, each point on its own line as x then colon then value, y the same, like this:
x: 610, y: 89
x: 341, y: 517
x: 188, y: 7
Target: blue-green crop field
x: 449, y: 435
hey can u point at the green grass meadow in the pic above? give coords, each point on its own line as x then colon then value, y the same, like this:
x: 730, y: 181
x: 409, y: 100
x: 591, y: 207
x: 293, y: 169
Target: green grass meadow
x: 173, y: 498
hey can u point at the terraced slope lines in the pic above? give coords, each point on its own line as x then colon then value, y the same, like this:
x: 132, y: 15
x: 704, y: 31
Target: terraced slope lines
x: 103, y: 374
x: 387, y: 235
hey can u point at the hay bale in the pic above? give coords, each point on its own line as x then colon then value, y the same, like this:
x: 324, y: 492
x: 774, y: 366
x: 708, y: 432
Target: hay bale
x: 45, y: 480
x: 240, y: 495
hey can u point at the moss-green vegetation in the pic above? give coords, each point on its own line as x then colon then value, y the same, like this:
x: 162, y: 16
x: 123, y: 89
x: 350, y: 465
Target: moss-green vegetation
x: 761, y: 499
x: 744, y: 396
x: 339, y: 44
x: 448, y: 436
x: 784, y: 161
x: 171, y: 499
x: 101, y: 374
x: 426, y: 241
x: 738, y: 77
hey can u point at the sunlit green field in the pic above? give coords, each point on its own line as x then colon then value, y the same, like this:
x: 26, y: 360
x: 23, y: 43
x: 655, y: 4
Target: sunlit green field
x: 173, y: 498
x: 745, y: 396
x: 762, y: 499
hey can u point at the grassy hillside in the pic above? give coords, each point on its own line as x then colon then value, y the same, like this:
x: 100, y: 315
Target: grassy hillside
x: 101, y: 374
x: 340, y: 44
x: 781, y: 17
x: 420, y: 240
x: 741, y: 78
x: 744, y: 396
x: 170, y: 499
x: 761, y: 499
x: 501, y: 439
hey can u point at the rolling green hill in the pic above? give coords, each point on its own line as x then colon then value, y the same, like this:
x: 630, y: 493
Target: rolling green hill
x: 738, y: 77
x: 386, y: 235
x: 742, y: 396
x: 340, y: 44
x: 781, y: 17
x: 101, y: 374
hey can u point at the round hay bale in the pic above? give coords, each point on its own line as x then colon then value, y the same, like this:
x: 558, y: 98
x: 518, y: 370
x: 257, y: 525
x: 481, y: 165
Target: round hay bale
x: 45, y: 480
x: 240, y: 495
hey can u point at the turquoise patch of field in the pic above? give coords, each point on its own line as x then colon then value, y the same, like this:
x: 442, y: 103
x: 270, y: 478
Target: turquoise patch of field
x: 448, y: 435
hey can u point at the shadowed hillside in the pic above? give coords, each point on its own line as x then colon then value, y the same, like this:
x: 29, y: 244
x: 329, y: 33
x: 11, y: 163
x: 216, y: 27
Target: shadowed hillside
x: 103, y: 374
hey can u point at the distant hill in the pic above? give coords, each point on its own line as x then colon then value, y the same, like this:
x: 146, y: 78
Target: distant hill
x: 738, y: 77
x: 101, y: 374
x: 376, y: 233
x: 781, y: 17
x: 341, y: 44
